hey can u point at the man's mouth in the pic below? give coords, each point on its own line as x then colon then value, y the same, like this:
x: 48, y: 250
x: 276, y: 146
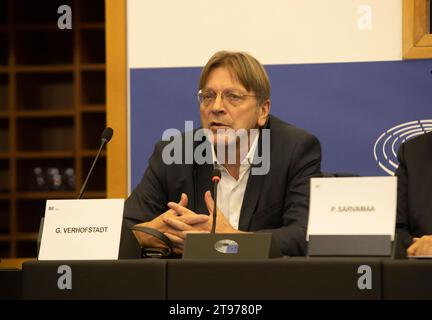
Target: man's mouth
x: 218, y: 125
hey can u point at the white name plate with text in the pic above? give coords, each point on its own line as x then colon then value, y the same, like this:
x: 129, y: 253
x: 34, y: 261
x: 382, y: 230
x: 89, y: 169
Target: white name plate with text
x: 82, y: 229
x: 353, y: 206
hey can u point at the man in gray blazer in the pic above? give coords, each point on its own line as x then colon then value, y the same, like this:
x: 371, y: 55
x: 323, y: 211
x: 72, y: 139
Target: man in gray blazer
x: 174, y: 198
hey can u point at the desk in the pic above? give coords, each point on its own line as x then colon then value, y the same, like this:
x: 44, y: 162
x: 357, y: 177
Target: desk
x: 10, y: 278
x: 279, y: 279
x: 117, y: 279
x: 14, y: 263
x: 407, y: 279
x: 286, y: 278
x: 10, y: 284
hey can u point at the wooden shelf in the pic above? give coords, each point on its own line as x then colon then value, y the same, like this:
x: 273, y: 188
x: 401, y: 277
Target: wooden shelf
x: 4, y: 237
x: 37, y: 27
x: 88, y: 108
x: 52, y: 113
x: 93, y: 42
x: 45, y: 155
x: 93, y: 153
x: 58, y: 195
x: 15, y: 263
x: 45, y: 113
x: 27, y: 236
x: 44, y: 68
x: 92, y: 25
x: 44, y: 91
x: 94, y: 195
x: 46, y: 195
x: 92, y: 66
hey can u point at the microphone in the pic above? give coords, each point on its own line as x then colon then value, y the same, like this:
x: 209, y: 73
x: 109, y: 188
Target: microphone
x: 226, y: 245
x: 216, y: 177
x: 105, y: 138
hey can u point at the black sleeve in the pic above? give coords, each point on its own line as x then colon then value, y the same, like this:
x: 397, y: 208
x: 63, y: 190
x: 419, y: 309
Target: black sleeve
x: 305, y: 164
x: 149, y: 198
x: 404, y: 237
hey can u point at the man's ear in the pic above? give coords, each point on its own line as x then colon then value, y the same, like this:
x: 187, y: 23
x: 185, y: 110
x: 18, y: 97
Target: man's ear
x: 264, y: 111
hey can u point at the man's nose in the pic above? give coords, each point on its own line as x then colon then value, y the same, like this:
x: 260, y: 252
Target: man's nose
x: 218, y: 106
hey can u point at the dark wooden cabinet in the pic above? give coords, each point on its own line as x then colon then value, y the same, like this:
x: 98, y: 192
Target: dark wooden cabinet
x: 52, y: 112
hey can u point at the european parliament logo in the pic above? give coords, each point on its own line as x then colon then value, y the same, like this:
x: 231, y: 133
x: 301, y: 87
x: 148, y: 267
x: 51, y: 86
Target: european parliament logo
x: 388, y: 143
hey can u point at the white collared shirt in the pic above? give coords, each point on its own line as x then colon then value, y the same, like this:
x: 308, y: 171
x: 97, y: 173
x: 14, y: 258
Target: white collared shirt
x: 231, y: 191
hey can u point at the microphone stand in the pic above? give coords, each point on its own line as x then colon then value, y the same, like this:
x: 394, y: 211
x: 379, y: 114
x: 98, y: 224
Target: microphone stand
x: 216, y: 176
x: 84, y: 186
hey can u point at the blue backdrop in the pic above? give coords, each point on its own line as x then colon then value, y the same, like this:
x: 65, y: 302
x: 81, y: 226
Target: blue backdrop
x: 348, y: 106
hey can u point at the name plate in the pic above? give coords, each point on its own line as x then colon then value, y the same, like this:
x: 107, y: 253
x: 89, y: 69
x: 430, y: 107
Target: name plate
x: 353, y: 206
x: 82, y: 229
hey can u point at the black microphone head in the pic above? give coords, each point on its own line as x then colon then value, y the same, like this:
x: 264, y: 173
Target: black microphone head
x: 216, y: 175
x: 105, y: 138
x: 107, y: 134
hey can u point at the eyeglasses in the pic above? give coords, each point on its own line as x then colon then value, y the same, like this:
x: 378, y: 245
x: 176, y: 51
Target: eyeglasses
x: 208, y: 97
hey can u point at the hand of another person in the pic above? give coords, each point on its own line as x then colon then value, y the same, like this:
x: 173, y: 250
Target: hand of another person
x: 421, y: 247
